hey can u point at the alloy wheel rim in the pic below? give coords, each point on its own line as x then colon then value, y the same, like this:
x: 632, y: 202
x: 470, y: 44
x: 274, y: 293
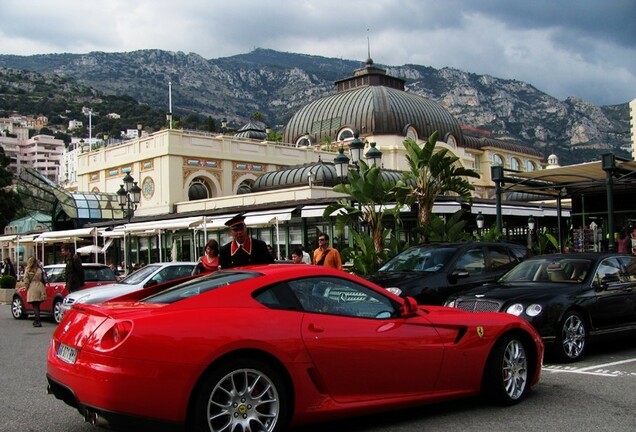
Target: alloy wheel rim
x: 573, y: 336
x: 16, y: 308
x: 515, y: 369
x: 244, y: 400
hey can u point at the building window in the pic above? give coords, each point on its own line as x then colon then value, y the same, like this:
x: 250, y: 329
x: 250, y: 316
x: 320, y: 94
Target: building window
x: 497, y: 160
x: 345, y: 134
x: 199, y: 190
x: 530, y: 166
x: 514, y: 164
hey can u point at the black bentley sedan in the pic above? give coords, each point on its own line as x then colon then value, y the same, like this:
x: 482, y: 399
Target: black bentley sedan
x: 569, y: 298
x: 432, y: 273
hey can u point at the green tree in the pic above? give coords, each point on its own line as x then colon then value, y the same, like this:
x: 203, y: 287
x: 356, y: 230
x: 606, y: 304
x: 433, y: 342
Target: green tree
x: 431, y: 174
x: 9, y: 200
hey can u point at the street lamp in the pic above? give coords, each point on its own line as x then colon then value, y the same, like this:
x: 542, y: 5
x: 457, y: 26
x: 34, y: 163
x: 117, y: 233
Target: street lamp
x: 531, y: 225
x: 223, y: 125
x: 139, y: 130
x: 374, y: 156
x: 480, y: 222
x: 356, y: 146
x: 341, y: 162
x: 129, y: 195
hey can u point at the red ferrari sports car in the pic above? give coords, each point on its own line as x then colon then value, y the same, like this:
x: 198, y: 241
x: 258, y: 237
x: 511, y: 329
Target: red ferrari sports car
x: 265, y: 347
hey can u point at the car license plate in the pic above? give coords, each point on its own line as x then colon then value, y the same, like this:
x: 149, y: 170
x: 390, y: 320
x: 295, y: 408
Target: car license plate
x: 67, y: 353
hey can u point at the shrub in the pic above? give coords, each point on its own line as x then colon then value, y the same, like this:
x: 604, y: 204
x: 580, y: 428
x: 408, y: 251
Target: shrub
x: 7, y: 281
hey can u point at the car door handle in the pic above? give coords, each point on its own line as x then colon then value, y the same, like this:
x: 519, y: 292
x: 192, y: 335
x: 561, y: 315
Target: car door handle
x: 316, y: 329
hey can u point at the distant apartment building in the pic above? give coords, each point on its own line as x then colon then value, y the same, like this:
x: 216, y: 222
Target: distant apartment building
x: 9, y: 125
x: 42, y: 152
x: 75, y: 124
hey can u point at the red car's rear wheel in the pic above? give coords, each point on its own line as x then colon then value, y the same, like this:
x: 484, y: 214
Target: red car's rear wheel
x: 245, y: 395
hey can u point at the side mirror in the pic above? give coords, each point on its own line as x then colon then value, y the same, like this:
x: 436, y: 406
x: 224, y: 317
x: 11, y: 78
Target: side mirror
x: 409, y: 308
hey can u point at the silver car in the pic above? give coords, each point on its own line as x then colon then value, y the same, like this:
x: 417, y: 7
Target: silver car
x: 147, y: 276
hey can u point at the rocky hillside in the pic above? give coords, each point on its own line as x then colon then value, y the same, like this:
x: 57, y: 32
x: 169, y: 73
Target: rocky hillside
x: 276, y: 84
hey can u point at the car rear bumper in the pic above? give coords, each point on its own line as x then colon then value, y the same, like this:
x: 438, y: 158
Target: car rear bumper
x: 107, y: 385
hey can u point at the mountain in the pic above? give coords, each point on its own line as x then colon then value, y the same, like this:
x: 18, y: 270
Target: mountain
x: 276, y: 84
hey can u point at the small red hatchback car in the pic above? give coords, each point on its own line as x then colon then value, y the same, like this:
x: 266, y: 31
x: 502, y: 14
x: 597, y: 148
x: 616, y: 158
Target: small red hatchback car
x: 94, y: 275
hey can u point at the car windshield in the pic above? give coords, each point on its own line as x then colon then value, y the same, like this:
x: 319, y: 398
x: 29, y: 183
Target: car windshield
x: 140, y: 275
x: 549, y: 269
x: 199, y: 286
x: 420, y: 259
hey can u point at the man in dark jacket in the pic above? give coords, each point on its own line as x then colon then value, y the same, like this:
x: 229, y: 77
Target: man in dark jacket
x: 74, y: 271
x: 243, y: 250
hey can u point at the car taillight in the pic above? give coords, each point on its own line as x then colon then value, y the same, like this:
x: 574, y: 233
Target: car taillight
x: 113, y: 336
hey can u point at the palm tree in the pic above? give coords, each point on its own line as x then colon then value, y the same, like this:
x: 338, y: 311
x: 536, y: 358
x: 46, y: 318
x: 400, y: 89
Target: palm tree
x: 431, y: 174
x: 371, y: 194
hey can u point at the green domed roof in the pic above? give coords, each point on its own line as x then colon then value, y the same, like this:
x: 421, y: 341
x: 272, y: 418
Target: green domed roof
x: 374, y: 104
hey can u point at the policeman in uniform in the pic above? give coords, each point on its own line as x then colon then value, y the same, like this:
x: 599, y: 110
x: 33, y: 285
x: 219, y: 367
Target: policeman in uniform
x: 243, y: 250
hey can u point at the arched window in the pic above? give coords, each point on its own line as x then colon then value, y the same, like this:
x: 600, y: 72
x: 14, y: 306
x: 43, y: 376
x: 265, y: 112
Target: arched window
x: 497, y: 160
x: 530, y: 166
x: 514, y: 164
x: 245, y: 187
x: 199, y: 189
x: 304, y: 140
x: 345, y: 134
x: 411, y: 133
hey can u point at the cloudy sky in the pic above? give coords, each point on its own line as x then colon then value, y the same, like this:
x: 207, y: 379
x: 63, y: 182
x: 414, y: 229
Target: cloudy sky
x: 584, y: 48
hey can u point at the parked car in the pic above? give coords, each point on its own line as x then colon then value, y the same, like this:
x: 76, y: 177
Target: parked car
x: 432, y: 273
x: 147, y: 276
x: 568, y: 298
x: 266, y: 347
x: 95, y: 275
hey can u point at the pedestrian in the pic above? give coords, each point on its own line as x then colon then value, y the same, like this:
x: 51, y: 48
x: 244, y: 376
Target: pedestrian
x: 209, y: 262
x: 242, y: 250
x: 325, y: 255
x: 297, y: 256
x: 271, y: 251
x: 74, y: 271
x: 36, y: 290
x: 9, y: 269
x: 624, y: 244
x: 306, y: 257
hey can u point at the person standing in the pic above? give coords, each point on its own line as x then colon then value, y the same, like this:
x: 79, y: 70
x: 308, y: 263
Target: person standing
x: 74, y: 271
x: 9, y: 269
x: 624, y: 244
x: 306, y: 257
x: 325, y: 255
x: 242, y: 250
x: 36, y: 290
x: 209, y: 262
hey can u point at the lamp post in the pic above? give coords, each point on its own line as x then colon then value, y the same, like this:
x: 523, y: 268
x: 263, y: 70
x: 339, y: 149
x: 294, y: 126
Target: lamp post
x: 341, y: 162
x: 531, y: 225
x: 480, y: 223
x: 356, y: 147
x: 223, y: 125
x: 129, y: 196
x: 374, y: 156
x: 139, y: 130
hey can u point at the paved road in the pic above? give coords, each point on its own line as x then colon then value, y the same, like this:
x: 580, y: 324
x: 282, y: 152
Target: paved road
x: 597, y: 394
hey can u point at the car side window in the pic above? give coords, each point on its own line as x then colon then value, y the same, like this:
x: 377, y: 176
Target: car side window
x: 472, y: 261
x: 500, y: 258
x: 335, y: 296
x: 55, y: 274
x: 278, y: 296
x: 609, y: 270
x: 630, y: 268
